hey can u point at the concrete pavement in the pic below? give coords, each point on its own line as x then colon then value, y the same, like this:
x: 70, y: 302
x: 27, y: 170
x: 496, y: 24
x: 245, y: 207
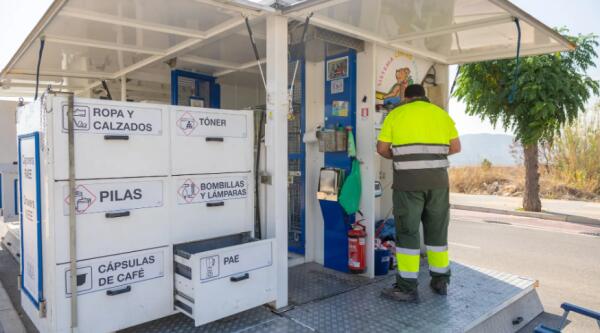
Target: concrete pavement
x: 562, y: 256
x: 559, y: 210
x: 10, y: 322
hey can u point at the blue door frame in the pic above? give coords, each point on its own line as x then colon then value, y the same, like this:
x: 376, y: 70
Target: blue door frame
x: 215, y: 89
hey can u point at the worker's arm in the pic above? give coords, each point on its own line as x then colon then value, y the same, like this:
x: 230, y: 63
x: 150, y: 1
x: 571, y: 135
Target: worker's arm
x: 385, y: 149
x: 454, y: 146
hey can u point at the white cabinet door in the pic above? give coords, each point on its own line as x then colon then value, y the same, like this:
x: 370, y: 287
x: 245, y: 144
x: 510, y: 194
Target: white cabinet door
x: 207, y: 206
x: 116, y: 215
x: 211, y: 141
x: 117, y: 291
x: 112, y: 139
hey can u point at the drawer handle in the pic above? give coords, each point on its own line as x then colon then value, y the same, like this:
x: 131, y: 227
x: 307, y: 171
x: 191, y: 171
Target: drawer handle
x: 239, y: 277
x: 116, y: 137
x: 113, y: 215
x: 214, y: 139
x: 118, y: 291
x: 215, y: 204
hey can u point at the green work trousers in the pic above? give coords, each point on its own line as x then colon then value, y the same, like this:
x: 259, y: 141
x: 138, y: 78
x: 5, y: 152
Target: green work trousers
x: 410, y: 208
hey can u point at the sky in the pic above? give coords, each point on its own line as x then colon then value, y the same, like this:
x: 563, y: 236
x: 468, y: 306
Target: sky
x: 579, y: 16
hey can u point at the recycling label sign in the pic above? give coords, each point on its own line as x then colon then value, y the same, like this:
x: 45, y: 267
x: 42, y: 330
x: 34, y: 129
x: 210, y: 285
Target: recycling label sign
x: 207, y: 124
x: 114, y: 119
x: 114, y: 271
x: 210, y: 188
x: 115, y: 196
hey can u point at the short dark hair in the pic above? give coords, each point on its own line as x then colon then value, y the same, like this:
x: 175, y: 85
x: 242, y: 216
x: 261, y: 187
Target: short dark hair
x: 414, y: 90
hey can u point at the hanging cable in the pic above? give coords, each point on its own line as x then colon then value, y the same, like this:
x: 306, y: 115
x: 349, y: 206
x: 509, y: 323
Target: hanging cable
x: 105, y: 86
x: 256, y: 55
x: 455, y: 78
x: 39, y: 63
x: 513, y: 92
x: 298, y: 52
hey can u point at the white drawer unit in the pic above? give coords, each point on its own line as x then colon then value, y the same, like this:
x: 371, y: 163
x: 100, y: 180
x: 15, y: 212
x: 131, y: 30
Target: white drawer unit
x: 208, y: 206
x: 112, y: 139
x: 222, y: 276
x: 211, y: 141
x: 125, y: 213
x: 138, y: 190
x: 117, y: 291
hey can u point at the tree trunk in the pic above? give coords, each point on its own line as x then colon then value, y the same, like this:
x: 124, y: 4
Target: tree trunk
x: 531, y: 195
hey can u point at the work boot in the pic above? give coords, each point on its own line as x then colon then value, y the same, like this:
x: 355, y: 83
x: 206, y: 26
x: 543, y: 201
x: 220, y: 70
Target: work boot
x: 439, y: 286
x: 397, y: 294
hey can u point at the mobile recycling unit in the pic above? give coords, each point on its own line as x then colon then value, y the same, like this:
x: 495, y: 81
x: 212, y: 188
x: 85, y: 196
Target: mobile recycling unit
x: 212, y: 187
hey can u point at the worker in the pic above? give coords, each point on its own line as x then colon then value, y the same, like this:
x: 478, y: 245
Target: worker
x: 418, y: 136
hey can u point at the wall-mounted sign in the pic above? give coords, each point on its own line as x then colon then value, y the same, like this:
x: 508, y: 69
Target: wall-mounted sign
x: 114, y: 271
x: 31, y: 217
x: 114, y: 119
x: 337, y: 68
x: 107, y: 197
x: 208, y: 124
x: 339, y: 108
x: 200, y: 189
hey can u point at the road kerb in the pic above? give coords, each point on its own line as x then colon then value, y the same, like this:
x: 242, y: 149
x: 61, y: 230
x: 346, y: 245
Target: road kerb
x: 539, y: 215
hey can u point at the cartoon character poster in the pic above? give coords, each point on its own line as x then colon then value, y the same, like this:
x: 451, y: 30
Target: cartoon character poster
x: 395, y: 71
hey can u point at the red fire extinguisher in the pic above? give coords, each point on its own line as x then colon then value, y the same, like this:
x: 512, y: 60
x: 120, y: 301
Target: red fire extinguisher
x: 357, y: 240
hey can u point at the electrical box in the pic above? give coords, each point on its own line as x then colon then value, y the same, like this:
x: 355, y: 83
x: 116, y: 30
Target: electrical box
x: 143, y: 185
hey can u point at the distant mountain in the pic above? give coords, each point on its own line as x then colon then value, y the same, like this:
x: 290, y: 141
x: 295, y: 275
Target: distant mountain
x: 476, y: 147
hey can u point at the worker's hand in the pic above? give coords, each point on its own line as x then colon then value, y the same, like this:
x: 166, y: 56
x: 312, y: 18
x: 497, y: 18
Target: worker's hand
x: 385, y: 149
x: 454, y: 146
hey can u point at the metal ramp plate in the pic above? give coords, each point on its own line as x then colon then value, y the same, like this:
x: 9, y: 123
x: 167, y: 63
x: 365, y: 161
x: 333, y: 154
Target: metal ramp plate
x: 328, y: 301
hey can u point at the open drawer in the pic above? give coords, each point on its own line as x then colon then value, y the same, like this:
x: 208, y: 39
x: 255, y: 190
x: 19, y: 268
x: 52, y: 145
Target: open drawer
x: 219, y: 277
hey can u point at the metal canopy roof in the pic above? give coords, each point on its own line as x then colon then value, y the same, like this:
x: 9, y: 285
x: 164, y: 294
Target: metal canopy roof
x: 88, y: 41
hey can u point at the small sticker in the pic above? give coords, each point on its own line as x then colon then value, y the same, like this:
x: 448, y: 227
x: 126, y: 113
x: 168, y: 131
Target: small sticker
x: 364, y: 112
x: 337, y: 86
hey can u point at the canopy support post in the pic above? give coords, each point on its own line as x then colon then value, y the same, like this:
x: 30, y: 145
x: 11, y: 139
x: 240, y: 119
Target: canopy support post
x: 123, y: 88
x: 276, y: 138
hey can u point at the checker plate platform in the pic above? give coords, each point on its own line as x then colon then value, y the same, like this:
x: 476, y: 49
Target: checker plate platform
x: 328, y: 301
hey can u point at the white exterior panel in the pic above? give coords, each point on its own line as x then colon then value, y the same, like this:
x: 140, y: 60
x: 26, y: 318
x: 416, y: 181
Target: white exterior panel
x: 208, y: 206
x: 205, y: 141
x: 112, y: 139
x: 100, y: 205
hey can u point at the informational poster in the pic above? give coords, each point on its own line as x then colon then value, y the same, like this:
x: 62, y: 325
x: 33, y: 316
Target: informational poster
x: 31, y: 252
x: 237, y: 260
x: 114, y: 196
x: 337, y: 68
x: 210, y: 124
x: 396, y: 71
x: 114, y: 119
x: 115, y: 271
x: 340, y: 108
x: 200, y: 189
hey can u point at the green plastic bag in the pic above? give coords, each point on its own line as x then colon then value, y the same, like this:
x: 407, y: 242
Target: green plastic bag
x: 349, y: 197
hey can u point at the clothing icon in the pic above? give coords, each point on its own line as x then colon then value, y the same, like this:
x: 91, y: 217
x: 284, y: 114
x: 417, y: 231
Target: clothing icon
x: 81, y: 117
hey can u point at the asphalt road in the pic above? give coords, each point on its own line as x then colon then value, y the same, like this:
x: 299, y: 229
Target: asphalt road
x: 564, y: 257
